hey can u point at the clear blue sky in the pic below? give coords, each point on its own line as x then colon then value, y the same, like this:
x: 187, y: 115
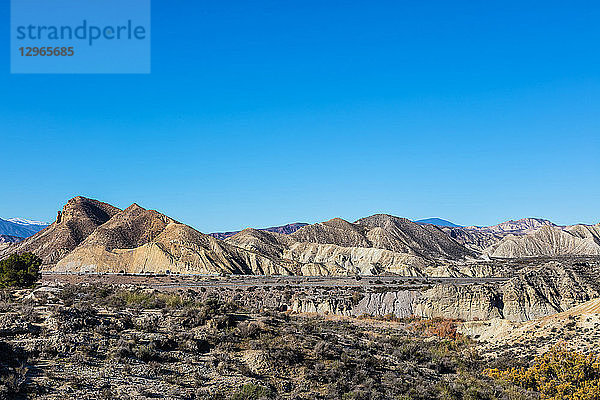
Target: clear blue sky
x: 267, y: 112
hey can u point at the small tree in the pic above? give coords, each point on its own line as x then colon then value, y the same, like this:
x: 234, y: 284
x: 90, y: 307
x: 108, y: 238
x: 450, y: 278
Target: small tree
x: 21, y: 270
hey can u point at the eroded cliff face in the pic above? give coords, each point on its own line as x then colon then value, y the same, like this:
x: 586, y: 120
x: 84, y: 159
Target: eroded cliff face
x: 460, y: 302
x: 550, y: 288
x: 441, y: 301
x: 544, y: 290
x: 400, y: 304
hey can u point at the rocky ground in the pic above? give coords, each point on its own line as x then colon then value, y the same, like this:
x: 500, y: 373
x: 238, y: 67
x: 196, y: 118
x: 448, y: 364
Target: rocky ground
x: 110, y: 341
x: 91, y: 336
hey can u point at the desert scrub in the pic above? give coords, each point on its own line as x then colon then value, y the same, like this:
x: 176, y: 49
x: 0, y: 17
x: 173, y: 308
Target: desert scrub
x: 444, y: 328
x: 200, y: 347
x: 13, y: 371
x: 251, y: 391
x: 112, y: 297
x: 150, y: 300
x: 559, y: 374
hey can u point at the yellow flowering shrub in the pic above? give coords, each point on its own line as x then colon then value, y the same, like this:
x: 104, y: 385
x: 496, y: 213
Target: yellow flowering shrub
x: 559, y: 374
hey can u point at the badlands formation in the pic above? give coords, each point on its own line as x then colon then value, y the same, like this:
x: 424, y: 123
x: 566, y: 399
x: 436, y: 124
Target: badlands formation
x: 517, y: 271
x: 91, y: 236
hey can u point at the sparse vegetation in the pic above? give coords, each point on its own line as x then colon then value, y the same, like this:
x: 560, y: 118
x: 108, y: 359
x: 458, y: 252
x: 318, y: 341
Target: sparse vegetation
x: 444, y: 328
x: 19, y: 270
x: 252, y: 391
x: 110, y: 342
x: 559, y: 374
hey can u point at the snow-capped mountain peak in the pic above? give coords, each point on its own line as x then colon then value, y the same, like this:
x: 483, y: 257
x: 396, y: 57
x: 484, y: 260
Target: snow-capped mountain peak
x: 20, y: 227
x: 22, y: 221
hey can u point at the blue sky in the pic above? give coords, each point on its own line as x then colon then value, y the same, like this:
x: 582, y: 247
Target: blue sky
x: 267, y: 112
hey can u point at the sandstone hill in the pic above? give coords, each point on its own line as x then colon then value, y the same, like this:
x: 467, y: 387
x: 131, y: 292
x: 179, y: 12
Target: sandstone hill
x: 78, y: 219
x: 328, y: 258
x: 520, y: 226
x: 335, y: 231
x: 372, y: 245
x: 401, y: 234
x: 475, y: 240
x: 137, y: 240
x: 383, y: 232
x: 549, y: 241
x: 177, y: 248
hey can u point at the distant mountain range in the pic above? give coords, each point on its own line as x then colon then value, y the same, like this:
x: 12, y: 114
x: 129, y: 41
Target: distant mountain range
x: 285, y: 229
x: 437, y: 222
x: 91, y: 236
x: 291, y: 228
x: 20, y: 228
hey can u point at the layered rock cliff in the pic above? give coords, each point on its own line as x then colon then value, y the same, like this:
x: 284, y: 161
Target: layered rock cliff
x: 535, y: 291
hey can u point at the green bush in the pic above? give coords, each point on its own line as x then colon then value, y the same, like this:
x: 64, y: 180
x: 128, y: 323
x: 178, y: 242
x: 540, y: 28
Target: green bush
x: 20, y: 270
x: 250, y: 391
